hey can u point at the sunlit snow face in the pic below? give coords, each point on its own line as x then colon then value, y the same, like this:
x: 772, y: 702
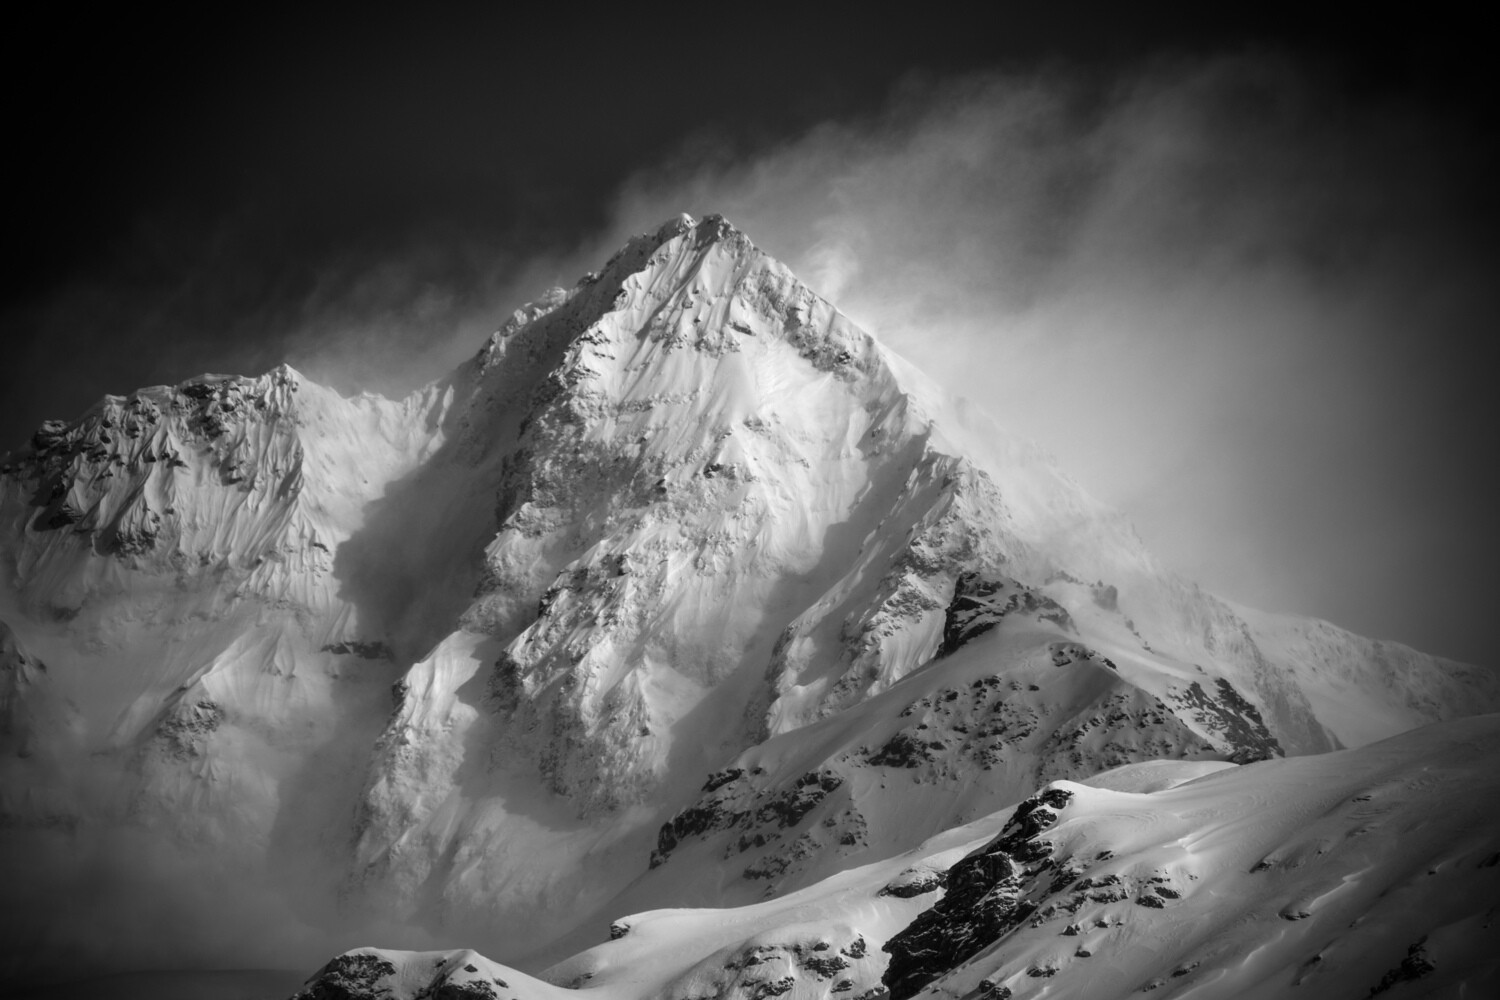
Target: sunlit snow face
x: 1239, y: 297
x: 1234, y: 299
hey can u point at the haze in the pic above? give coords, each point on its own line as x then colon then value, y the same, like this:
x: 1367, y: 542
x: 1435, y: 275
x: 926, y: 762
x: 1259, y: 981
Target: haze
x: 1240, y: 283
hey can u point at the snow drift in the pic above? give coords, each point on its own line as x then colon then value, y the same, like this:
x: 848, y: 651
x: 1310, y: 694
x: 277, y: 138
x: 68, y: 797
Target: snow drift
x: 1344, y: 874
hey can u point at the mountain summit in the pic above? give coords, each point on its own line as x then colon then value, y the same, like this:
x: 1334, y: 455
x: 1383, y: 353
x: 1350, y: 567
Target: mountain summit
x: 682, y: 591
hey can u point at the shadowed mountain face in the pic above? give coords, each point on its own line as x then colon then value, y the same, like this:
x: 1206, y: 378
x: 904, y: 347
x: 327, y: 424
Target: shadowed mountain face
x: 683, y: 591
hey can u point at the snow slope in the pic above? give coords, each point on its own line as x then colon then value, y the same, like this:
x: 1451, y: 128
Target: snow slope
x: 1346, y: 874
x: 682, y: 590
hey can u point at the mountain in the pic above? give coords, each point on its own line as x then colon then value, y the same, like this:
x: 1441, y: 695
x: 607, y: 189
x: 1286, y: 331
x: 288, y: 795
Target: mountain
x: 683, y: 591
x: 1354, y: 873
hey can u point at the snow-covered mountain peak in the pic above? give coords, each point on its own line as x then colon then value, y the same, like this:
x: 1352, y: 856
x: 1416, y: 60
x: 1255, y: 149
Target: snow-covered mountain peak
x: 683, y: 589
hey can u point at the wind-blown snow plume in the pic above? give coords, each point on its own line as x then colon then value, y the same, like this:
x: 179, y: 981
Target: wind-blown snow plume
x: 1244, y: 297
x: 1232, y: 276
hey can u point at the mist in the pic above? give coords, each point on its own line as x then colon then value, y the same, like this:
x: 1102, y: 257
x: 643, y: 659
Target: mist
x: 1239, y: 300
x: 97, y: 900
x: 1240, y: 297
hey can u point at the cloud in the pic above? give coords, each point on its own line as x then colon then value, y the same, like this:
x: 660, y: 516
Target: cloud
x: 1236, y: 296
x: 1239, y: 298
x: 1242, y: 297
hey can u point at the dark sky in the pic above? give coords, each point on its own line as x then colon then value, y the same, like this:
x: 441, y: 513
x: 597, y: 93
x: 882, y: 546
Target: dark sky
x: 367, y: 192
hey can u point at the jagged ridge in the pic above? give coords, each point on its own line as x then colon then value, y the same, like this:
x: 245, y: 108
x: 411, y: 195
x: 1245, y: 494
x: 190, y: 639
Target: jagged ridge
x: 681, y: 517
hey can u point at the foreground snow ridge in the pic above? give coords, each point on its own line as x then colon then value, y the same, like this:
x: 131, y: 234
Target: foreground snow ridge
x: 682, y: 598
x: 1345, y: 874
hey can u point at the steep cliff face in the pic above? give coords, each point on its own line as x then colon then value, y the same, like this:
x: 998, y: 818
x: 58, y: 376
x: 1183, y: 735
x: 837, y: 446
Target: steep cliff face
x: 681, y: 567
x: 728, y: 514
x: 249, y: 485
